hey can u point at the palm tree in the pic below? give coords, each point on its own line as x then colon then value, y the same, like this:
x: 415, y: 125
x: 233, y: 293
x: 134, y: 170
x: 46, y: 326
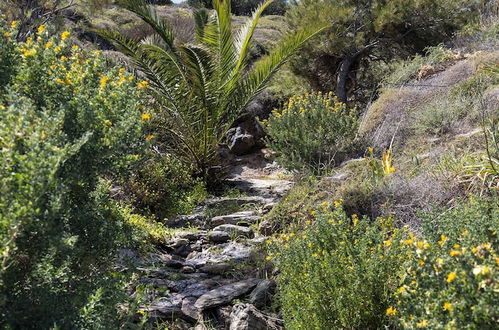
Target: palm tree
x: 203, y: 87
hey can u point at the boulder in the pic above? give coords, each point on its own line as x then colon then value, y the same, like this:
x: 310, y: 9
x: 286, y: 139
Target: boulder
x: 244, y: 137
x: 219, y: 237
x: 225, y: 294
x: 216, y: 269
x: 235, y: 230
x: 247, y: 317
x: 235, y: 218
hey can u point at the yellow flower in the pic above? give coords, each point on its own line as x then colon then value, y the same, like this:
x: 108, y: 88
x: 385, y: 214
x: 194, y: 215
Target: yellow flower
x: 387, y: 243
x: 422, y: 324
x: 59, y: 81
x: 310, y: 245
x: 331, y: 220
x: 145, y: 116
x: 103, y: 82
x: 451, y: 277
x: 401, y: 289
x: 29, y: 52
x: 338, y: 203
x: 41, y: 28
x: 57, y: 49
x: 313, y: 213
x: 13, y: 24
x: 142, y: 85
x: 324, y: 204
x: 63, y: 58
x: 443, y: 238
x: 65, y: 35
x: 454, y: 253
x: 6, y: 34
x: 447, y: 306
x: 268, y: 258
x: 481, y: 270
x: 391, y: 311
x: 408, y: 242
x: 49, y: 44
x: 75, y: 47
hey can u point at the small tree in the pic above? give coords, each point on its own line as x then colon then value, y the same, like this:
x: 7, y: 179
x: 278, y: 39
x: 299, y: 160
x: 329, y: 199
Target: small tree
x: 364, y: 31
x: 202, y: 88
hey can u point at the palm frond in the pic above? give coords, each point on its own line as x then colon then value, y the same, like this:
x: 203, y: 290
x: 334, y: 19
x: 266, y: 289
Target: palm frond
x: 151, y: 17
x: 257, y: 79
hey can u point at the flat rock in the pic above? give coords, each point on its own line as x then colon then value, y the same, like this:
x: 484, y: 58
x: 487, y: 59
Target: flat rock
x: 167, y: 307
x: 216, y: 269
x: 217, y: 203
x: 247, y: 317
x: 225, y: 294
x: 235, y: 218
x: 219, y: 237
x: 232, y: 252
x: 235, y: 230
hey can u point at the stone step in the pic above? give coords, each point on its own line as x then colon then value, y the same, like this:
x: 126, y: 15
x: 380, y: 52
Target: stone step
x: 216, y: 203
x: 236, y: 230
x: 225, y: 294
x: 249, y: 217
x: 232, y: 252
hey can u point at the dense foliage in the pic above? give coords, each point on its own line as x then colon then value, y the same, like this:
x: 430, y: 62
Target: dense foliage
x: 451, y: 279
x: 68, y: 123
x: 339, y: 271
x: 202, y: 88
x: 363, y: 32
x: 311, y: 132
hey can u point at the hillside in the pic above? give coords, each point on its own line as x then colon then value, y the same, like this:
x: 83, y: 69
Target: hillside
x: 168, y: 168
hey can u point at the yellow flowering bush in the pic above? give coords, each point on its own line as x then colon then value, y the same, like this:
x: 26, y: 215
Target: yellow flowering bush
x: 450, y: 282
x: 339, y: 272
x: 311, y: 132
x: 69, y: 123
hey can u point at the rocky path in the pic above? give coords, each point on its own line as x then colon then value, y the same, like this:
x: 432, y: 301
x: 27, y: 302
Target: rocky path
x: 212, y: 274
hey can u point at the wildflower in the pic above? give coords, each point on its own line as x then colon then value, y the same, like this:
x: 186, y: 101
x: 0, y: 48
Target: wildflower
x: 108, y: 123
x: 49, y: 44
x: 313, y: 213
x: 310, y: 245
x: 268, y: 258
x: 103, y: 82
x: 422, y: 324
x: 324, y: 204
x: 447, y: 306
x: 29, y: 52
x: 63, y: 58
x: 57, y: 49
x: 65, y: 35
x: 408, y: 242
x: 6, y: 34
x: 331, y: 221
x: 456, y: 246
x: 454, y: 253
x: 40, y: 30
x: 75, y: 47
x: 387, y: 243
x: 401, y: 289
x: 13, y: 24
x: 443, y: 238
x: 145, y: 116
x: 391, y: 311
x: 451, y: 277
x: 338, y: 203
x: 481, y: 270
x: 355, y: 219
x: 142, y: 85
x: 59, y: 81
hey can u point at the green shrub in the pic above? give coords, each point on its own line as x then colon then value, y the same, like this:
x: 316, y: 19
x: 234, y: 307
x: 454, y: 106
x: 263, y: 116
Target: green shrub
x: 163, y: 186
x: 311, y: 132
x: 451, y: 281
x: 69, y: 123
x: 338, y: 273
